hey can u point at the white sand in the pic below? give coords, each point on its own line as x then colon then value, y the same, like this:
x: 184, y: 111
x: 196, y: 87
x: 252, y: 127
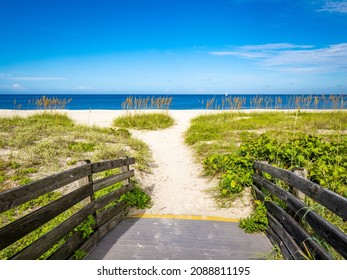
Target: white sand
x: 175, y: 184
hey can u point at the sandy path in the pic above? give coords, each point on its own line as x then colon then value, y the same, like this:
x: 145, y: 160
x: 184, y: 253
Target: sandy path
x: 175, y: 184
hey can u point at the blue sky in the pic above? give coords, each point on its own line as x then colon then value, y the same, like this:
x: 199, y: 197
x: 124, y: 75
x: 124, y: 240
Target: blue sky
x: 173, y: 46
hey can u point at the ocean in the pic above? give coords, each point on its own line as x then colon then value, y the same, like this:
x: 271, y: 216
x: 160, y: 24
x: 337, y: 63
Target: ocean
x: 172, y: 102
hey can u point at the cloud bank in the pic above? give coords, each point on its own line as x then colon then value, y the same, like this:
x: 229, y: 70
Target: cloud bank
x: 291, y: 57
x: 334, y: 6
x: 34, y: 79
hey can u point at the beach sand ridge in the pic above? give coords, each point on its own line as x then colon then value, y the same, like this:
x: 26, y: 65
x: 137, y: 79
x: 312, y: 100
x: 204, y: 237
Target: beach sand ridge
x: 175, y: 183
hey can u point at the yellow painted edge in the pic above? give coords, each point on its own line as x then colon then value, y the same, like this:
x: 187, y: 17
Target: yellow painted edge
x: 185, y: 217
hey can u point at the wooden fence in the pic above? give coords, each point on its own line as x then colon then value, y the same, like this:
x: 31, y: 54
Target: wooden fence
x: 72, y: 243
x: 285, y: 227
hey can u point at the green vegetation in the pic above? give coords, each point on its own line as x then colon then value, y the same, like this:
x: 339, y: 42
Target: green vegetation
x: 79, y: 255
x: 15, y: 213
x: 147, y: 121
x: 275, y: 254
x: 229, y: 143
x: 223, y: 132
x: 258, y: 221
x: 45, y: 103
x: 324, y: 161
x: 51, y: 103
x: 86, y: 227
x: 137, y: 198
x: 278, y: 102
x: 48, y: 143
x: 139, y: 103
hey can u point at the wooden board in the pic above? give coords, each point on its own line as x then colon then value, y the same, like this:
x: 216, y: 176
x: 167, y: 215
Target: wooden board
x: 325, y: 197
x: 19, y: 195
x: 334, y: 236
x: 155, y: 239
x: 21, y: 227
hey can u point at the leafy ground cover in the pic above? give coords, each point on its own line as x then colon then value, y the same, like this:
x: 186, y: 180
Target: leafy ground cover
x: 228, y: 143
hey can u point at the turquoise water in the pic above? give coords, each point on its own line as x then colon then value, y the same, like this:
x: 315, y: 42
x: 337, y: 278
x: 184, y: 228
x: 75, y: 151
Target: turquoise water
x: 180, y: 101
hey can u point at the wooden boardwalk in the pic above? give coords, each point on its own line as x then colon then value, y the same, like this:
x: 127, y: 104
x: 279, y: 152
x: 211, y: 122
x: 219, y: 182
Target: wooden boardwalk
x: 180, y: 239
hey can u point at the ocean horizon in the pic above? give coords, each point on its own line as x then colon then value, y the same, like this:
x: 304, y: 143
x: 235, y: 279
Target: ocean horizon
x: 92, y: 101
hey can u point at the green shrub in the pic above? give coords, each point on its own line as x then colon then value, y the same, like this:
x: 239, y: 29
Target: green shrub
x: 86, y: 227
x: 137, y: 198
x: 236, y: 172
x: 257, y: 221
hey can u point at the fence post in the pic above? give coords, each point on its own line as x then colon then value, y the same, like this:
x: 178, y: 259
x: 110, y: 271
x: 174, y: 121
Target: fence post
x: 84, y: 181
x: 125, y: 168
x: 301, y: 172
x: 258, y: 195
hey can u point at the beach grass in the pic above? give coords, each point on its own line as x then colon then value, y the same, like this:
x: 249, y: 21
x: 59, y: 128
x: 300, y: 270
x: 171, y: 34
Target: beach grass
x: 50, y: 142
x: 145, y: 121
x: 224, y: 132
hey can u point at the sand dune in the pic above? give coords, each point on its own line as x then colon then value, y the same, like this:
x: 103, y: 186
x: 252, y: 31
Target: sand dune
x: 175, y: 183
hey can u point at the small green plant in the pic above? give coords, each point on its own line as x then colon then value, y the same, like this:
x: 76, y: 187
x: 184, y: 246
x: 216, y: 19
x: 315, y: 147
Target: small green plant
x: 81, y: 147
x: 2, y: 178
x: 275, y: 254
x: 86, y: 227
x: 71, y: 162
x: 24, y: 181
x: 137, y: 198
x: 79, y: 254
x: 20, y: 175
x: 257, y: 221
x: 122, y: 132
x: 14, y: 165
x: 236, y: 172
x: 29, y: 170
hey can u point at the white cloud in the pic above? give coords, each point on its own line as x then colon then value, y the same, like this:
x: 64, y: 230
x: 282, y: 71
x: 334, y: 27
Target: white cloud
x: 334, y: 6
x: 290, y: 57
x: 277, y: 46
x: 260, y: 51
x: 82, y: 88
x: 34, y: 79
x: 17, y: 87
x: 223, y: 53
x: 4, y: 75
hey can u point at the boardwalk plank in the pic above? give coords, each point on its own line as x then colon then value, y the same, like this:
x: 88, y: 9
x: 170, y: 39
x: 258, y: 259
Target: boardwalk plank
x: 173, y: 239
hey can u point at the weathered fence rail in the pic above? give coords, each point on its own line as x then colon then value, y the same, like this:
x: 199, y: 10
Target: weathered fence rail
x: 70, y: 240
x: 284, y: 224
